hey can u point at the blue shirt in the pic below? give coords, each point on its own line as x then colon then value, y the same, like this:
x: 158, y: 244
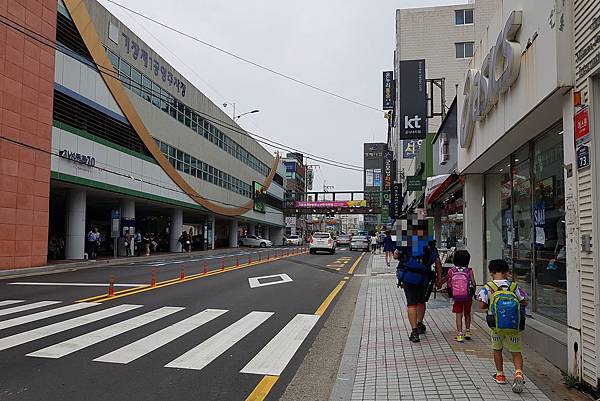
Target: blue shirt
x: 388, y: 244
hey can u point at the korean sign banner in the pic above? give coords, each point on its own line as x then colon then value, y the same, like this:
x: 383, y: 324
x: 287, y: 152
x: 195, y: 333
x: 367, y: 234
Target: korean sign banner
x: 388, y: 90
x: 413, y: 100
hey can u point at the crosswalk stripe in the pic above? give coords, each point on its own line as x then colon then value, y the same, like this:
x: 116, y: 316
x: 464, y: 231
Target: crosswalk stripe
x: 41, y: 332
x: 45, y: 314
x: 204, y: 353
x: 275, y: 356
x: 156, y: 340
x: 78, y: 343
x: 22, y: 308
x: 10, y: 302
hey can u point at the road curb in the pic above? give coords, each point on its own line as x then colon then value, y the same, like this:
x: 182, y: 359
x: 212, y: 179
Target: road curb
x: 342, y: 389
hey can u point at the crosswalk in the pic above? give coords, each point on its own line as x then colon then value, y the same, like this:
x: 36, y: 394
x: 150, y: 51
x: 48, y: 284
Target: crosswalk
x: 271, y: 359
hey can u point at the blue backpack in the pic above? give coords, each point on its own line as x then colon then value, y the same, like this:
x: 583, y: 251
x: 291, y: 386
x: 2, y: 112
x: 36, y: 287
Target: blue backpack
x: 413, y: 273
x: 505, y: 311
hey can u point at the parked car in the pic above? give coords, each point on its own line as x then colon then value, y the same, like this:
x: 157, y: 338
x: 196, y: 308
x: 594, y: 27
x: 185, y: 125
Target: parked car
x: 293, y: 240
x: 343, y: 240
x: 253, y: 240
x: 321, y: 241
x: 359, y: 243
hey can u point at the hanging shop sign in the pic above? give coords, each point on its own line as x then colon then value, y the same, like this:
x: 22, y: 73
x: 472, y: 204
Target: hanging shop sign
x: 582, y: 127
x: 499, y: 71
x: 388, y: 161
x: 413, y: 100
x: 415, y: 183
x: 333, y: 204
x: 388, y: 90
x: 77, y: 157
x: 396, y: 201
x: 583, y: 157
x: 411, y: 148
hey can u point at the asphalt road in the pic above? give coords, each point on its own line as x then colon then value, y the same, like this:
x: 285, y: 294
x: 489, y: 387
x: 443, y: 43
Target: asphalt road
x: 208, y: 337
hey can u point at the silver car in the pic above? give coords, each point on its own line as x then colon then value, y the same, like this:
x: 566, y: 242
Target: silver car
x: 253, y: 240
x: 359, y: 243
x: 293, y: 240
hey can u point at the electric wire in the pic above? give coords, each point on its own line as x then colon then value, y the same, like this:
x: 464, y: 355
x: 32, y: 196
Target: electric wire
x: 233, y: 127
x: 245, y: 60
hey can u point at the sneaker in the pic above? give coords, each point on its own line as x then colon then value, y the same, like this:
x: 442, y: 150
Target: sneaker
x: 459, y: 338
x: 500, y: 379
x: 518, y: 383
x: 414, y: 336
x: 468, y: 334
x: 421, y: 328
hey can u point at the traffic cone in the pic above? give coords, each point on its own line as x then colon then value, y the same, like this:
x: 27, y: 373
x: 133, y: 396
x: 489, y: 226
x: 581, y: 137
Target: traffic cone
x: 153, y: 279
x: 237, y: 262
x: 111, y: 286
x: 182, y: 273
x: 204, y: 267
x: 222, y: 264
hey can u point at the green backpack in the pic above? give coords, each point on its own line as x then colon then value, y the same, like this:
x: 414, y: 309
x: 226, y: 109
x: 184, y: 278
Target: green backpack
x: 505, y: 311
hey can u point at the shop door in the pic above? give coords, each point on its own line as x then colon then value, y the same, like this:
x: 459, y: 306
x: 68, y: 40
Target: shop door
x: 522, y: 219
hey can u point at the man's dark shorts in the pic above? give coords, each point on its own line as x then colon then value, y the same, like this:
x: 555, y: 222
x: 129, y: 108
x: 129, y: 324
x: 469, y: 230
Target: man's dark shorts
x: 415, y: 294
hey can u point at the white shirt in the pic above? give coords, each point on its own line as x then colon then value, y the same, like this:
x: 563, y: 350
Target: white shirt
x: 484, y: 294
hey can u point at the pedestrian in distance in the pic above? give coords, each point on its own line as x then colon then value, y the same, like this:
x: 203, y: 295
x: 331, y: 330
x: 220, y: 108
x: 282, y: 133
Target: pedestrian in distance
x: 127, y: 243
x: 461, y: 288
x: 93, y: 237
x: 374, y: 244
x: 138, y: 243
x: 388, y: 247
x: 505, y: 302
x: 146, y: 243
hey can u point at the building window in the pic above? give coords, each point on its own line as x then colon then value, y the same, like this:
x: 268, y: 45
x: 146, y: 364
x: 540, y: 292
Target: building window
x: 464, y: 49
x: 464, y: 17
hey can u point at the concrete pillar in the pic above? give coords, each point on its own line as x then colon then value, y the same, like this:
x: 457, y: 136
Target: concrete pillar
x: 251, y: 229
x: 75, y: 229
x: 211, y: 230
x: 474, y: 234
x: 175, y: 229
x: 266, y: 232
x: 128, y: 212
x: 277, y: 234
x: 233, y: 234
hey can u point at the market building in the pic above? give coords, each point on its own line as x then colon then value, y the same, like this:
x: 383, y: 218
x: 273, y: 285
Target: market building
x: 516, y: 154
x: 125, y: 143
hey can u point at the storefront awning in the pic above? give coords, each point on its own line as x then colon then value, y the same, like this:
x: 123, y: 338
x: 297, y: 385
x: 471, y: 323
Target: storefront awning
x: 437, y: 186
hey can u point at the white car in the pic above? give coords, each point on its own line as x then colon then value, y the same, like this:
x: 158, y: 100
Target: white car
x: 322, y: 242
x: 293, y: 240
x: 253, y: 240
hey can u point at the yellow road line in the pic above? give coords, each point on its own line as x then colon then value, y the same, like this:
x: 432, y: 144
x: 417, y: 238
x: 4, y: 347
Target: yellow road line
x: 167, y: 283
x: 263, y: 388
x: 321, y: 309
x: 351, y: 271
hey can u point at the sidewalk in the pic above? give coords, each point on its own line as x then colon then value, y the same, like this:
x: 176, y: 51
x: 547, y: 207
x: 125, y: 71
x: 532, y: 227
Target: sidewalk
x: 387, y: 366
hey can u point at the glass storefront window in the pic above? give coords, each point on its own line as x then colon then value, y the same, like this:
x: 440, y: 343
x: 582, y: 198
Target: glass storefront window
x: 549, y: 228
x: 525, y: 222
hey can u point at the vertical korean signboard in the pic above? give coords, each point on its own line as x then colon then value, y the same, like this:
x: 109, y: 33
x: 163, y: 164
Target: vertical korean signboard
x: 388, y: 90
x: 413, y: 100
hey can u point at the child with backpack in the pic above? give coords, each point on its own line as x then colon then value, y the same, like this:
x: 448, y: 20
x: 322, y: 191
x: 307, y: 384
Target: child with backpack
x: 461, y: 288
x: 505, y: 304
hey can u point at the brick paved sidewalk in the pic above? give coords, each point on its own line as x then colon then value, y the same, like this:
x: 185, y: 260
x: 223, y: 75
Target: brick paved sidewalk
x: 390, y: 367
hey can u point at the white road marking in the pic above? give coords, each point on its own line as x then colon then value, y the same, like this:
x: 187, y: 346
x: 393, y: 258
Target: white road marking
x: 22, y: 308
x: 45, y: 314
x: 156, y: 340
x: 255, y: 281
x: 10, y: 302
x: 78, y: 343
x: 275, y: 356
x: 204, y: 353
x: 76, y: 284
x: 41, y: 332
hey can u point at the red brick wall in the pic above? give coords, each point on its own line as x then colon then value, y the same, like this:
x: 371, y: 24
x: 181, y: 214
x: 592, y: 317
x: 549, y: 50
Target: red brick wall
x: 26, y: 96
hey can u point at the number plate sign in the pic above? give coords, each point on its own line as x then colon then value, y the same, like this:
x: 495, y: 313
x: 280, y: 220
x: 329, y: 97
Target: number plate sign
x: 583, y: 157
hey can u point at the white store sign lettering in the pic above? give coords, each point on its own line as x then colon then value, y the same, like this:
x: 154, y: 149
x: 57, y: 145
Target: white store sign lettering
x: 499, y: 71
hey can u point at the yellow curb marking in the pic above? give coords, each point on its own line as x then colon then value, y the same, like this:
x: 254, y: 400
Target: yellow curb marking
x: 351, y: 271
x: 263, y: 388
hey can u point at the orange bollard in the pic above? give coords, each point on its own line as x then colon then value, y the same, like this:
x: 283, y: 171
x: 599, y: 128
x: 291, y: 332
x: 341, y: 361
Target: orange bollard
x: 237, y: 262
x: 260, y: 257
x: 111, y: 286
x: 153, y: 279
x: 204, y: 267
x: 182, y: 273
x: 222, y: 264
x: 249, y: 259
x: 268, y: 255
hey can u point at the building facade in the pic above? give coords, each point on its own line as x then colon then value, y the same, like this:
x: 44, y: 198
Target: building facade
x: 452, y: 33
x: 132, y: 146
x: 516, y: 153
x: 295, y: 189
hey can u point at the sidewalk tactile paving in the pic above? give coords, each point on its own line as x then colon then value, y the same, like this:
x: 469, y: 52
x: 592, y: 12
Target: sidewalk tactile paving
x: 390, y: 367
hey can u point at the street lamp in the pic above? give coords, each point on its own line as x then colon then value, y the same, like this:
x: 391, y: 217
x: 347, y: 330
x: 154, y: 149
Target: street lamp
x: 248, y: 112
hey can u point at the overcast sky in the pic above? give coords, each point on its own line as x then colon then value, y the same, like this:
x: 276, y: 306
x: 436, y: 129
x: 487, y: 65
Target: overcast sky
x: 339, y: 45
